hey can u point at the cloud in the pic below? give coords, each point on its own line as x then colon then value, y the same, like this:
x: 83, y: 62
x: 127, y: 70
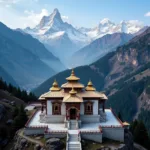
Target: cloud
x: 9, y: 1
x: 147, y: 14
x: 31, y: 19
x: 65, y: 19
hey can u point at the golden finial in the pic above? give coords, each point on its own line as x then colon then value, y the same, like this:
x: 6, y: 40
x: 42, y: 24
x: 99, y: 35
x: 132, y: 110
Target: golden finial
x: 55, y: 86
x: 90, y: 83
x: 73, y: 92
x: 72, y: 72
x: 90, y: 86
x: 72, y: 77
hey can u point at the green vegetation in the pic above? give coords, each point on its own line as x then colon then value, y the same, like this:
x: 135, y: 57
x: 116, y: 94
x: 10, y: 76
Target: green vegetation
x: 140, y: 133
x: 17, y: 92
x: 125, y: 99
x: 107, y: 143
x: 20, y: 119
x: 145, y: 117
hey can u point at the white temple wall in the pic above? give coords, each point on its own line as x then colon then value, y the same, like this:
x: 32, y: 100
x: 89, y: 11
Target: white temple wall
x: 63, y: 109
x: 93, y: 137
x: 95, y: 107
x: 114, y: 133
x: 82, y: 108
x: 49, y: 107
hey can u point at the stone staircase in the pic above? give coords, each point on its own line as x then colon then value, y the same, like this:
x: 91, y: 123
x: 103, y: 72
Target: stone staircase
x: 73, y: 137
x: 73, y: 124
x: 73, y: 140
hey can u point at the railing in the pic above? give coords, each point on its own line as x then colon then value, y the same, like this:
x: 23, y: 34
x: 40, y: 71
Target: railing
x: 68, y: 124
x: 67, y: 141
x: 77, y: 125
x: 79, y: 139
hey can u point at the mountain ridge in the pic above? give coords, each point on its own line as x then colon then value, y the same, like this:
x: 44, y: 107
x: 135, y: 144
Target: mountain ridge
x: 53, y: 32
x: 99, y: 47
x: 28, y: 42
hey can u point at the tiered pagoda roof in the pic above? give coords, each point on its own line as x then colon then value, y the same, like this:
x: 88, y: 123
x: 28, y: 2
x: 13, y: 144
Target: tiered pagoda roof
x: 73, y: 95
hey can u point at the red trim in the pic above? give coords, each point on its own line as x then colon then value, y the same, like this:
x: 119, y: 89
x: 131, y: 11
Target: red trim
x: 35, y: 127
x: 91, y: 132
x: 46, y: 107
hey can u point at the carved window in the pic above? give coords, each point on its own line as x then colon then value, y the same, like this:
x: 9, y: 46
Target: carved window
x: 56, y: 109
x: 88, y: 108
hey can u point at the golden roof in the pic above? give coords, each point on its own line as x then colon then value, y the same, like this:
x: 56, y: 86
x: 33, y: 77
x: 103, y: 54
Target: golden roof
x: 90, y: 86
x: 42, y: 96
x: 72, y: 77
x: 70, y: 85
x: 56, y: 94
x: 126, y: 124
x: 73, y: 92
x: 92, y: 94
x: 55, y: 86
x: 72, y: 97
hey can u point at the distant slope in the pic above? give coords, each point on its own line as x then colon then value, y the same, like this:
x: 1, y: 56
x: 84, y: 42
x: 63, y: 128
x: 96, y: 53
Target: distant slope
x: 22, y: 64
x: 33, y: 45
x: 99, y: 48
x: 6, y: 77
x: 84, y: 72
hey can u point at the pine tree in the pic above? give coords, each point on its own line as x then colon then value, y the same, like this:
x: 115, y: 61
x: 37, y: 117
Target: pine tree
x: 141, y: 134
x: 133, y: 126
x: 20, y: 119
x: 120, y: 116
x: 15, y: 112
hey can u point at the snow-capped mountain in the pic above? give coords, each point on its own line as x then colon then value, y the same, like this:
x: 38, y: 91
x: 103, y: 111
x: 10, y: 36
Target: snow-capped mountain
x: 108, y: 27
x: 52, y: 31
x: 63, y: 40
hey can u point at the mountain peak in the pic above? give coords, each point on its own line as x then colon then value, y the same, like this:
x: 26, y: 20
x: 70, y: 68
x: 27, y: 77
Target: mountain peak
x: 105, y: 21
x: 55, y: 14
x: 55, y: 10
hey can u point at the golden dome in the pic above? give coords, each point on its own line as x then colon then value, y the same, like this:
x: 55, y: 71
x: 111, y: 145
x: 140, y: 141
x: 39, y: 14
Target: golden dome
x: 72, y: 77
x: 90, y: 83
x: 55, y: 86
x: 73, y: 92
x: 90, y: 86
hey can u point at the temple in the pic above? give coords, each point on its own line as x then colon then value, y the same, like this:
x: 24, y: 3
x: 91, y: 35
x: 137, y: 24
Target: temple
x: 75, y: 110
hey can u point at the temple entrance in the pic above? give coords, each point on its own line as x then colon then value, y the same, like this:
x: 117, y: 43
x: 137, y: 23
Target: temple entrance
x: 73, y: 113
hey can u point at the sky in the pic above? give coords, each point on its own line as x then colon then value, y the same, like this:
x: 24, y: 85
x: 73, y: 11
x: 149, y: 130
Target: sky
x: 80, y: 13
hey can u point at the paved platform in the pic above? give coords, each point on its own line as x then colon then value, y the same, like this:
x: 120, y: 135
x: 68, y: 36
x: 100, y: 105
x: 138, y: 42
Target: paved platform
x: 111, y: 120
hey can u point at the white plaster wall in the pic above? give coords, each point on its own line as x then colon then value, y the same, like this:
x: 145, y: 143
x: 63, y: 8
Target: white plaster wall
x: 95, y: 107
x: 82, y: 108
x: 63, y: 109
x: 49, y: 107
x: 33, y: 131
x: 93, y: 137
x: 114, y: 133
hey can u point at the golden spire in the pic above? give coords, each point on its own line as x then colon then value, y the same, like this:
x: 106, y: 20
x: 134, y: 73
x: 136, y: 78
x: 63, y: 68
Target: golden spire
x: 72, y: 77
x: 90, y: 86
x: 72, y: 72
x: 73, y: 92
x: 55, y: 86
x: 90, y: 83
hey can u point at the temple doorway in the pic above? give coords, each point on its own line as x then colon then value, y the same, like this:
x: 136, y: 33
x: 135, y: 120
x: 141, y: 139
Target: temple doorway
x: 73, y: 113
